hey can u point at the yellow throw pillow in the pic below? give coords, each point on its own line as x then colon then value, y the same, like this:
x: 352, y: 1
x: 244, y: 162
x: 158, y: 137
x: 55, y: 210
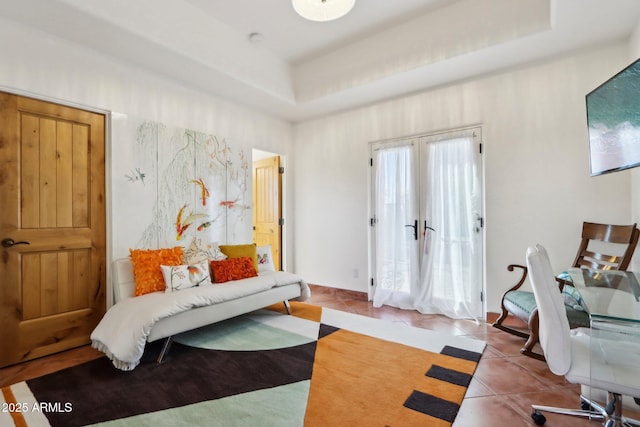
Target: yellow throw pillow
x: 146, y: 267
x: 241, y: 251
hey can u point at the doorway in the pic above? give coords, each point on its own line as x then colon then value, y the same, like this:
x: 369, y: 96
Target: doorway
x: 268, y: 218
x: 52, y: 227
x: 427, y: 233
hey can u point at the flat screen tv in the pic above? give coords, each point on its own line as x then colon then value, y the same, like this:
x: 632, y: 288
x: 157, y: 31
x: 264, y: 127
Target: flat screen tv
x: 613, y: 117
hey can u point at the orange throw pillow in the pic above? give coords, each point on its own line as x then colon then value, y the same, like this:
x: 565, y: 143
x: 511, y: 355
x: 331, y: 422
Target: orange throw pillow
x: 241, y: 251
x: 232, y: 269
x: 146, y: 267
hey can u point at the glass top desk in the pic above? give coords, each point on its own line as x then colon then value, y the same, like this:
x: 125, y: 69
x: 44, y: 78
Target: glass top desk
x: 609, y: 295
x: 612, y: 299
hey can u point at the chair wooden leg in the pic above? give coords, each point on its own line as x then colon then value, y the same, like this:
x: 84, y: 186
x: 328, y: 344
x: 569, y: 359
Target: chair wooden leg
x: 534, y: 326
x: 498, y: 324
x: 505, y: 313
x: 502, y: 317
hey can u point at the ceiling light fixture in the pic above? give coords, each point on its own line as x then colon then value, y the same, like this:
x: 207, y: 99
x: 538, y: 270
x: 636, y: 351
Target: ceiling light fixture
x: 322, y: 10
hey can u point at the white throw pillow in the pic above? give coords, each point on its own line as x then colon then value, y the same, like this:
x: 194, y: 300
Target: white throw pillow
x: 199, y: 251
x: 180, y: 277
x: 265, y: 258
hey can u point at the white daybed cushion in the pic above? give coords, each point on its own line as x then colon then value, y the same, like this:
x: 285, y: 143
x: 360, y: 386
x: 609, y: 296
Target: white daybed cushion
x: 123, y: 331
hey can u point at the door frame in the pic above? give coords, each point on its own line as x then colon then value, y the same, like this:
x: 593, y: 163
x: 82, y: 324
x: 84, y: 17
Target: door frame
x: 283, y: 201
x: 418, y: 140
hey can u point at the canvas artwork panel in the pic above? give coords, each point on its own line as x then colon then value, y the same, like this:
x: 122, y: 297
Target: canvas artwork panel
x: 171, y: 184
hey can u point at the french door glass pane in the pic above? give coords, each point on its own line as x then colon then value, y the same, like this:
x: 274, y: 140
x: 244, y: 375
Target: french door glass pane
x: 396, y: 212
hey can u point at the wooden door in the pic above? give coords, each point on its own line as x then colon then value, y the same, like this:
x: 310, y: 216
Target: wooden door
x: 267, y: 206
x: 52, y: 191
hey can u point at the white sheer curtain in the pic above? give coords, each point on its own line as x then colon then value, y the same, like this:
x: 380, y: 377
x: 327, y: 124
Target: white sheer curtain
x: 396, y: 249
x: 450, y: 270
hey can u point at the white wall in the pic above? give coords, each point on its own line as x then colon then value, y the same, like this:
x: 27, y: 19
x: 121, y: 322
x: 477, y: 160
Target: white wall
x: 54, y: 69
x: 537, y: 185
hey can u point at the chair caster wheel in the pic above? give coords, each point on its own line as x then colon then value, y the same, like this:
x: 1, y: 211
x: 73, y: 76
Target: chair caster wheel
x: 538, y: 418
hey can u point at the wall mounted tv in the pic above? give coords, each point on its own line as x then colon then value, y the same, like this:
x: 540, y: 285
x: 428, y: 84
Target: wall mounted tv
x: 613, y: 117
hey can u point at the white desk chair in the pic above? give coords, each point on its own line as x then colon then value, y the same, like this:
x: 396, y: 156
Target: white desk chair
x: 568, y: 352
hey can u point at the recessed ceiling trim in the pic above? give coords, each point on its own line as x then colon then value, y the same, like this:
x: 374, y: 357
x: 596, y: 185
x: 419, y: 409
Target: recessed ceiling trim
x: 462, y: 27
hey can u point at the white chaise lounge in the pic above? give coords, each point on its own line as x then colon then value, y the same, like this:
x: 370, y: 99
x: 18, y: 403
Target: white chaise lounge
x: 134, y: 321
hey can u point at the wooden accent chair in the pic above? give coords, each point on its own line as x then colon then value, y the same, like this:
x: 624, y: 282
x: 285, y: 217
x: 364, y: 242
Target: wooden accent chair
x: 522, y: 304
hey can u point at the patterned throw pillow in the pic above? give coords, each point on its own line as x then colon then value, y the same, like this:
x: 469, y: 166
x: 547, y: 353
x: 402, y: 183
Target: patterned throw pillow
x: 232, y: 269
x: 265, y: 258
x: 199, y: 251
x: 215, y: 253
x: 146, y: 267
x: 180, y: 277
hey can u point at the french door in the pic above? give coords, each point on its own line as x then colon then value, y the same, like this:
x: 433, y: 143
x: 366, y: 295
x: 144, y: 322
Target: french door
x: 426, y: 223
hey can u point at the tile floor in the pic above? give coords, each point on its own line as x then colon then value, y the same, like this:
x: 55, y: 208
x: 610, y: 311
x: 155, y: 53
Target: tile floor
x: 503, y: 388
x: 505, y: 384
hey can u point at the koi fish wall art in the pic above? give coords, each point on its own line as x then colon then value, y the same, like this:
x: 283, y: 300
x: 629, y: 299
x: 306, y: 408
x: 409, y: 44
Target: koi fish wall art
x: 179, y: 183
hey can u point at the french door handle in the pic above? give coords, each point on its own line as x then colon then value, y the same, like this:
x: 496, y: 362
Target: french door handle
x: 415, y: 229
x: 9, y: 242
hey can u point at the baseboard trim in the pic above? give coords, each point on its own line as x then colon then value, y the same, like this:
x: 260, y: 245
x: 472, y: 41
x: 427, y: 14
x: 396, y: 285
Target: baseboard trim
x: 346, y: 293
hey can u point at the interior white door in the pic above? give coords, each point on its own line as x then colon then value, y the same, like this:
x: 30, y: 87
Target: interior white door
x: 427, y: 225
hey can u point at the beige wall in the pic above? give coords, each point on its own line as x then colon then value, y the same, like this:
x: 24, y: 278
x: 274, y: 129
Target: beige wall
x: 537, y: 183
x: 64, y: 72
x: 533, y: 118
